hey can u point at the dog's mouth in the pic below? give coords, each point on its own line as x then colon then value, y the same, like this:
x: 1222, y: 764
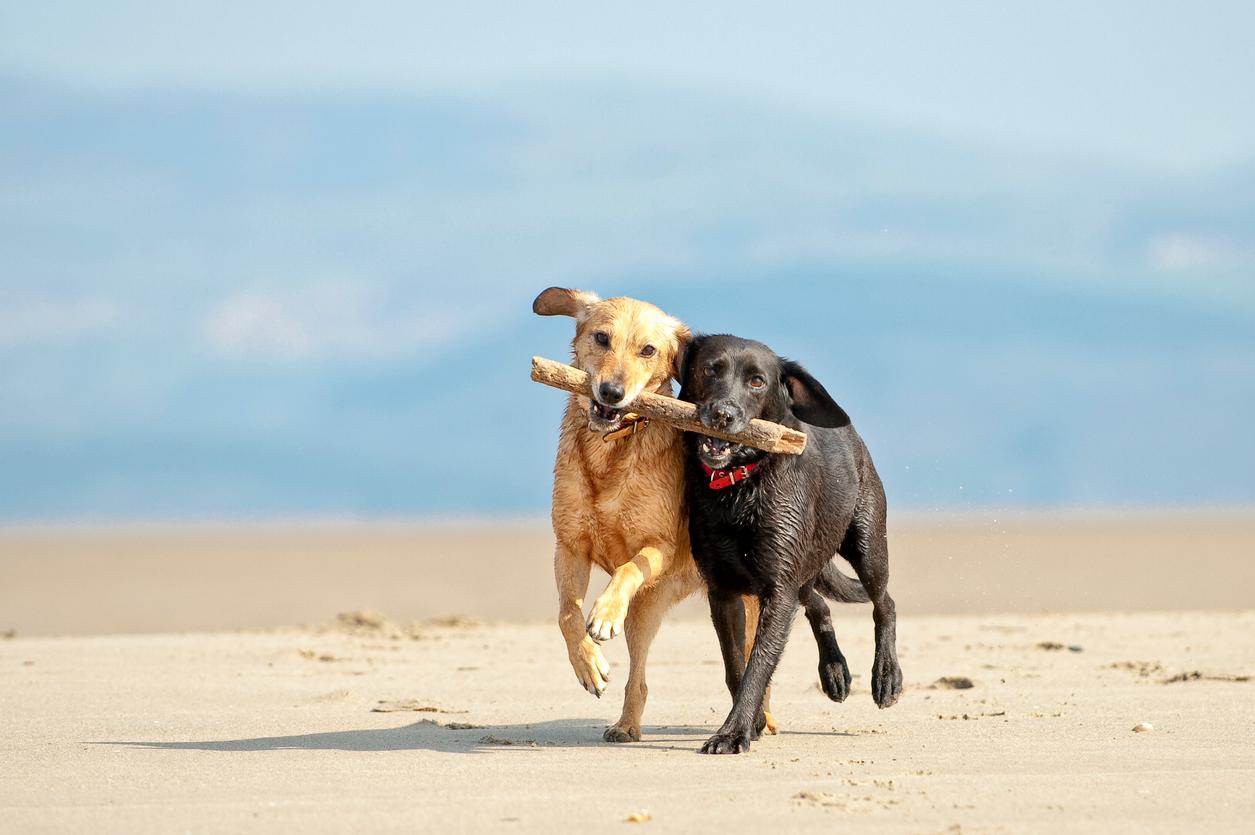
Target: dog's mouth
x: 716, y: 452
x: 603, y: 418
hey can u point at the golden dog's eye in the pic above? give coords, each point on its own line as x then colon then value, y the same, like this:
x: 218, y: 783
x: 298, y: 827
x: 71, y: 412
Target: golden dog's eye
x: 708, y: 371
x: 648, y: 351
x: 758, y: 381
x: 602, y: 339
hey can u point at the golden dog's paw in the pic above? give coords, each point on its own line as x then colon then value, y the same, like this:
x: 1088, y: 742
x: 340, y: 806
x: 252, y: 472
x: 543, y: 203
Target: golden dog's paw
x: 607, y: 617
x: 591, y: 667
x: 615, y: 733
x: 771, y: 726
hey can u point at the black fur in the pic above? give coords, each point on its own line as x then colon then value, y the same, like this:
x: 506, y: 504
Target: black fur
x: 775, y: 533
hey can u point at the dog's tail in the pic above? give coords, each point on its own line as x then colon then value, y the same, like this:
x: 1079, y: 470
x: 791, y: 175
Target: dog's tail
x: 840, y: 588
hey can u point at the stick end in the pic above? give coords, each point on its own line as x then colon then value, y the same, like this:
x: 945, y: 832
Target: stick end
x: 792, y: 442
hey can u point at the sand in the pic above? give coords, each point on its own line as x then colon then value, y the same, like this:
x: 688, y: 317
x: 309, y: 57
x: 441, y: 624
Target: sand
x: 101, y: 580
x: 464, y: 726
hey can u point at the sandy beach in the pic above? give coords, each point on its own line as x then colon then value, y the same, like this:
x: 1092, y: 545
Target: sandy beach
x: 125, y: 706
x: 92, y: 580
x: 300, y: 305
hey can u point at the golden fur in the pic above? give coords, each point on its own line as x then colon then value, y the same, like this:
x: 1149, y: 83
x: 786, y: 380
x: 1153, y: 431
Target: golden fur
x: 619, y: 504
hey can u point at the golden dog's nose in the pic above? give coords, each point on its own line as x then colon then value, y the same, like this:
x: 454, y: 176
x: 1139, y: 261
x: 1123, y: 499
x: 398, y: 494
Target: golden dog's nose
x: 610, y: 393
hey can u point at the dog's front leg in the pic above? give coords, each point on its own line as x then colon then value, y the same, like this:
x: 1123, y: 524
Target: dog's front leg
x: 727, y: 613
x: 611, y: 608
x: 571, y: 573
x: 751, y: 623
x: 774, y: 622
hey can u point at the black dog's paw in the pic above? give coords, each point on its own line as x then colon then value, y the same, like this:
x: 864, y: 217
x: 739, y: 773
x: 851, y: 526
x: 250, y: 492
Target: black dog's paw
x: 886, y: 680
x: 727, y: 742
x: 759, y: 723
x: 834, y: 678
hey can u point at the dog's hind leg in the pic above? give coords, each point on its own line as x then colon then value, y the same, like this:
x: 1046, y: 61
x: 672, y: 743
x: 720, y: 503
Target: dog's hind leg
x: 643, y: 619
x: 834, y: 672
x: 866, y: 547
x: 751, y: 623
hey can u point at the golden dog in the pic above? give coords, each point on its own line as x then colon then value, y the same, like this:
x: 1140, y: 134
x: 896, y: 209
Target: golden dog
x: 618, y: 493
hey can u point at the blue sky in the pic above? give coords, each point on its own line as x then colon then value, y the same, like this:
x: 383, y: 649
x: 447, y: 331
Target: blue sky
x: 253, y: 259
x: 1155, y: 82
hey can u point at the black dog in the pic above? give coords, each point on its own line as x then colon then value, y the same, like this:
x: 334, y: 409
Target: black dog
x: 770, y: 524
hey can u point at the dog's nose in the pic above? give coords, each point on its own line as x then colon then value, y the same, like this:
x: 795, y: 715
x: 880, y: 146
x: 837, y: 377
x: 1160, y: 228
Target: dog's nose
x: 723, y: 414
x: 610, y: 393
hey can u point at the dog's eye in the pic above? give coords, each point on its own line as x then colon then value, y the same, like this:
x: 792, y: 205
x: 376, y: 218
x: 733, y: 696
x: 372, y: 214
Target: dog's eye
x: 602, y: 339
x: 708, y: 371
x: 758, y: 381
x: 648, y: 351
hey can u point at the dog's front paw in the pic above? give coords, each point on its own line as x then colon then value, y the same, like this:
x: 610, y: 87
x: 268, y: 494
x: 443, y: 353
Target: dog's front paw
x: 886, y: 679
x: 727, y: 742
x: 834, y: 678
x: 606, y: 619
x: 760, y: 725
x: 770, y: 726
x: 625, y: 733
x: 590, y: 667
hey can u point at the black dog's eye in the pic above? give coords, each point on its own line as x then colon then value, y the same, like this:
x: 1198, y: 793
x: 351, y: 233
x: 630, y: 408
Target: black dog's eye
x: 648, y: 351
x: 601, y: 339
x: 708, y: 371
x: 758, y: 381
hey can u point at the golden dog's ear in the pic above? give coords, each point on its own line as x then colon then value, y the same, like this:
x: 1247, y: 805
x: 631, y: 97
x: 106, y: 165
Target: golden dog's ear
x: 683, y: 336
x: 559, y: 301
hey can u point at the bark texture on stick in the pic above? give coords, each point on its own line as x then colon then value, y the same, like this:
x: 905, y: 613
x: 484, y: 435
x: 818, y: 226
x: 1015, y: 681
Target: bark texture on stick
x: 760, y: 434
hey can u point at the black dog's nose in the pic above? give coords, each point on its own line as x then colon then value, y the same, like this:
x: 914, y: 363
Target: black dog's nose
x: 723, y: 415
x: 610, y: 392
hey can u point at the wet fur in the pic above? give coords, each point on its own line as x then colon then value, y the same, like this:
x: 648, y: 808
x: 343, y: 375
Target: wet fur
x: 774, y: 534
x: 619, y: 504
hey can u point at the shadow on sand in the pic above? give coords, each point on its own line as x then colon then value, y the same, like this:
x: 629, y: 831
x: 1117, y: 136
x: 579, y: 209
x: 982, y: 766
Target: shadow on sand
x: 432, y: 736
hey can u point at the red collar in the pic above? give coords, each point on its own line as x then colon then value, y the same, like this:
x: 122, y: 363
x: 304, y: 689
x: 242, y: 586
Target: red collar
x: 719, y: 479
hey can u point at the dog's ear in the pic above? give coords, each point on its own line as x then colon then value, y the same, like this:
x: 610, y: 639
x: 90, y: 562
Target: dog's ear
x: 559, y: 301
x: 811, y: 402
x: 684, y: 361
x: 683, y: 337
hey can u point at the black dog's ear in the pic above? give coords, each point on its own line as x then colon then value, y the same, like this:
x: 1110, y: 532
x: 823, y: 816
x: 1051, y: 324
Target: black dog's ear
x: 559, y: 301
x: 811, y: 401
x: 686, y: 365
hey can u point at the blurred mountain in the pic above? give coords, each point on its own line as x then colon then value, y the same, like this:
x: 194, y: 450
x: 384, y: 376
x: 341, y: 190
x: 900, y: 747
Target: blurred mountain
x: 221, y: 305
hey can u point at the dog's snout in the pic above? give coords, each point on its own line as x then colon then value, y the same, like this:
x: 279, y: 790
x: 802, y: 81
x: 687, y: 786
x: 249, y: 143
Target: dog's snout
x: 720, y: 415
x: 611, y: 394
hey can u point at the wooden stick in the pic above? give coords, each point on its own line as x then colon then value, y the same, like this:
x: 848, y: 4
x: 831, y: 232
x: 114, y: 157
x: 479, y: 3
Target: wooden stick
x: 760, y: 434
